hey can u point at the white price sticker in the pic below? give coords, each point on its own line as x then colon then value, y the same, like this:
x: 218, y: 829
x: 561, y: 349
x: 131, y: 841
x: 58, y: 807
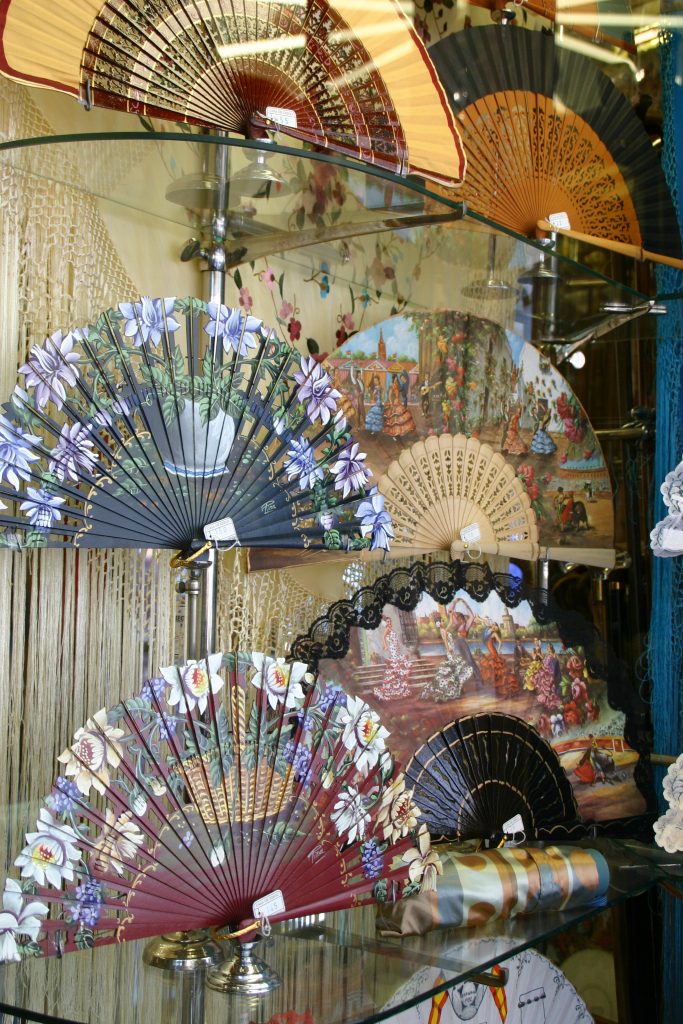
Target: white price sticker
x: 282, y: 115
x: 513, y: 825
x: 268, y: 906
x: 560, y: 221
x: 470, y: 534
x: 222, y: 529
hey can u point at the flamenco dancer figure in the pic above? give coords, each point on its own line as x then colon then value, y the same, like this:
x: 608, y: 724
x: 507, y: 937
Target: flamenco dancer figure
x: 458, y: 667
x: 374, y: 420
x: 542, y: 443
x: 494, y: 668
x: 512, y: 442
x: 398, y: 419
x: 547, y: 681
x: 397, y: 665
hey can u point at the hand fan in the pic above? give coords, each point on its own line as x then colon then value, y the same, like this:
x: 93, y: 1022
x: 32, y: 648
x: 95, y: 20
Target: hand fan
x: 123, y: 434
x: 337, y: 73
x: 530, y: 444
x: 481, y: 772
x: 545, y: 132
x: 431, y: 644
x: 420, y: 374
x: 228, y: 789
x: 534, y: 991
x: 451, y: 493
x: 666, y: 539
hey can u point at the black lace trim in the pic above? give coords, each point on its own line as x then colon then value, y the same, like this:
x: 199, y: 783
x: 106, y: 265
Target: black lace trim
x: 330, y: 636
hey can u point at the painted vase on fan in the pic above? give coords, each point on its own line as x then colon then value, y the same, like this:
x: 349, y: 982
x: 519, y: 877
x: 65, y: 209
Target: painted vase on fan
x: 191, y: 447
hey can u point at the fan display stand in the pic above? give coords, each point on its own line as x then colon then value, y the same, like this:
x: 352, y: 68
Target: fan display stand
x: 197, y: 950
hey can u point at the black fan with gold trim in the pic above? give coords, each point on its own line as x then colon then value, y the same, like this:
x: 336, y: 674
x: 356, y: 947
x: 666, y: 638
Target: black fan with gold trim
x: 482, y: 771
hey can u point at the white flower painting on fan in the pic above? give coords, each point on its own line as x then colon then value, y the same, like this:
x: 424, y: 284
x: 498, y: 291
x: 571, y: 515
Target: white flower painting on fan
x: 209, y: 763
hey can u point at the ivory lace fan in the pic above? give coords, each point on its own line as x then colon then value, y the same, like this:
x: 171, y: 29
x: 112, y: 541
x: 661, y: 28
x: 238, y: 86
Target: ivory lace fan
x: 451, y: 492
x: 545, y: 132
x: 341, y: 74
x: 478, y: 773
x: 222, y: 782
x: 171, y: 422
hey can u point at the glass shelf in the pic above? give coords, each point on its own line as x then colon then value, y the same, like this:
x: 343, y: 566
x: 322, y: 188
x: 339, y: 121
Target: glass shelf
x: 334, y: 968
x: 299, y: 228
x: 285, y: 199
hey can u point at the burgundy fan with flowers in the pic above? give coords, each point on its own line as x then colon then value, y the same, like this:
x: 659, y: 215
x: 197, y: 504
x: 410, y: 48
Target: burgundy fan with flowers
x: 228, y: 790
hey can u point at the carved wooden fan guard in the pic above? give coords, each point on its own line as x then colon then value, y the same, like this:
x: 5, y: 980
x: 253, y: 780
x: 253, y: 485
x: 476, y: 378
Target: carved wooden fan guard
x: 346, y: 76
x: 547, y: 132
x: 331, y: 637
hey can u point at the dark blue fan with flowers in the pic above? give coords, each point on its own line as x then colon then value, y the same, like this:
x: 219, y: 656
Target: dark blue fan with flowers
x: 172, y: 422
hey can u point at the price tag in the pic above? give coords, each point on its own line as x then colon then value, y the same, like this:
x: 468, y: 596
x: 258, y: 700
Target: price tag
x: 560, y: 221
x: 513, y: 825
x: 470, y: 534
x: 282, y: 115
x: 268, y: 906
x: 222, y: 529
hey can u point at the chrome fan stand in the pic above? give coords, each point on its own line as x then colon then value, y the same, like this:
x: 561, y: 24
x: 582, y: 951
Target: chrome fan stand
x: 244, y: 973
x: 197, y: 950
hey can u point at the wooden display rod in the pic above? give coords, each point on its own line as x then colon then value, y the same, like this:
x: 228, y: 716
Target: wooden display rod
x: 664, y: 759
x: 636, y: 252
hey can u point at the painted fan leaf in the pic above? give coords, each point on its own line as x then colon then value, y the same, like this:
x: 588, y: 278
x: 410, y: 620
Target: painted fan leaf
x: 507, y: 411
x: 429, y: 644
x: 169, y: 421
x: 479, y: 772
x: 348, y: 76
x: 516, y: 428
x: 221, y: 781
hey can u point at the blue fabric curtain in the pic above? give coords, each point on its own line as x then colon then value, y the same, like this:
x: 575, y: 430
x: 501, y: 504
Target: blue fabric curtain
x: 666, y: 626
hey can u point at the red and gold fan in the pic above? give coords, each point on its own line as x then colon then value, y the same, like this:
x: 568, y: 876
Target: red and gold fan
x: 230, y: 790
x: 546, y: 132
x: 348, y: 76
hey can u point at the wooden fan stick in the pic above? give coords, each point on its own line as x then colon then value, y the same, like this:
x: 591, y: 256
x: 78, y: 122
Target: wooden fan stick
x: 635, y: 252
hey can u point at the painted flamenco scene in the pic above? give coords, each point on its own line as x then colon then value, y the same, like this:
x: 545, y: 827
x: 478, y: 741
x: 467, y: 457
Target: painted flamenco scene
x: 421, y: 373
x: 430, y: 666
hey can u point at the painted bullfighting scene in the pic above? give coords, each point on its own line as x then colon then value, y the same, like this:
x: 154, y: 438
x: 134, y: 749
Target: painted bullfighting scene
x: 428, y: 373
x: 427, y: 667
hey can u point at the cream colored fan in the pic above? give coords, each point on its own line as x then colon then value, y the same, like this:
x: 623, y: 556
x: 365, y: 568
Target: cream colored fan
x: 452, y: 493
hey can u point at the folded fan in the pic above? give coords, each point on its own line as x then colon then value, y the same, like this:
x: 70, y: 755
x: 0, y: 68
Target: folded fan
x: 170, y: 422
x: 222, y: 781
x: 475, y: 888
x: 547, y: 132
x: 349, y: 76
